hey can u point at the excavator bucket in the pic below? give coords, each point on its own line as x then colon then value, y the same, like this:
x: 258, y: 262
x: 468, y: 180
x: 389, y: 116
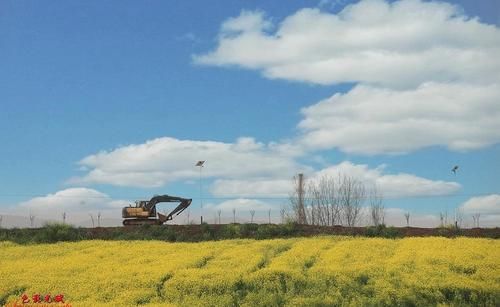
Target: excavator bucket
x: 162, y: 218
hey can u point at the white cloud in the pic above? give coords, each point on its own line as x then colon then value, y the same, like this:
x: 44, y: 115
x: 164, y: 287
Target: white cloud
x: 159, y: 161
x: 331, y: 4
x: 255, y: 187
x: 369, y: 120
x: 419, y: 84
x: 488, y: 220
x: 486, y: 205
x: 390, y: 185
x: 73, y: 201
x: 248, y: 21
x: 243, y: 205
x: 399, y: 44
x: 395, y: 217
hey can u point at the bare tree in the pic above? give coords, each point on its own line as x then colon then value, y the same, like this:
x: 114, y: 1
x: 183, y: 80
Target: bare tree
x: 282, y: 215
x: 351, y: 195
x: 92, y: 219
x: 188, y: 215
x: 252, y: 213
x: 219, y: 213
x: 64, y: 217
x: 441, y: 219
x: 269, y: 215
x: 313, y: 208
x: 1, y: 218
x: 377, y: 210
x: 407, y: 218
x: 234, y: 215
x: 32, y: 220
x: 475, y: 217
x: 99, y: 219
x: 324, y: 207
x: 330, y: 201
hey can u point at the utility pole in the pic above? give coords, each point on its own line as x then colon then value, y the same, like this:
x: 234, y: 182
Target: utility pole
x: 300, y: 192
x: 200, y: 164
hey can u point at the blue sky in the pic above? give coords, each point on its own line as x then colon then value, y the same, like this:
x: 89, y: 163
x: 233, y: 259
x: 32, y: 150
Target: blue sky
x: 82, y: 77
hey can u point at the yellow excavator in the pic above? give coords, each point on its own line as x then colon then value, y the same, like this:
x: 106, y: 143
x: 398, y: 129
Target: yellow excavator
x: 144, y: 211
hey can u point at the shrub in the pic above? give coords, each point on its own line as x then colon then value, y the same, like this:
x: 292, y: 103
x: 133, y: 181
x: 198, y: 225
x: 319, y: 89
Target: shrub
x: 267, y: 231
x: 248, y: 230
x: 208, y: 232
x: 290, y: 228
x: 382, y: 231
x: 54, y: 232
x: 231, y: 231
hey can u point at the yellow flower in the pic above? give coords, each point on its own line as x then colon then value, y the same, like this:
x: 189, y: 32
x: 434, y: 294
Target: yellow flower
x: 292, y: 272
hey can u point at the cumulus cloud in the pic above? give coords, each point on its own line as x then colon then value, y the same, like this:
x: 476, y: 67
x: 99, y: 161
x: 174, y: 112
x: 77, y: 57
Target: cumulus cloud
x: 262, y: 187
x: 370, y: 120
x: 419, y: 84
x: 243, y: 204
x: 487, y: 205
x: 71, y: 200
x: 163, y: 160
x: 398, y: 44
x: 390, y: 185
x: 395, y: 217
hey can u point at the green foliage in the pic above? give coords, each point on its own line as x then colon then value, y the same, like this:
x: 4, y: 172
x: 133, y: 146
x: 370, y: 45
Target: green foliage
x: 208, y: 232
x: 54, y: 232
x: 248, y: 230
x: 382, y: 231
x: 268, y: 231
x: 290, y: 228
x: 449, y: 230
x: 16, y: 291
x: 230, y: 231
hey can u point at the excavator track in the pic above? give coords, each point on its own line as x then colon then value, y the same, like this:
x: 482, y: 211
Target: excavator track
x: 140, y: 222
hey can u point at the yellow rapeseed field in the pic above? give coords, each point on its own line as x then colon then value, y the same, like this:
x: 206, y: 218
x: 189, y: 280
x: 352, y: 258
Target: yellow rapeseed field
x: 322, y: 271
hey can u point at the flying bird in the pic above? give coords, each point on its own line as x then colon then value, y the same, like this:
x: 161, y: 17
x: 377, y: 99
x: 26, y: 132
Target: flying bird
x: 454, y: 169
